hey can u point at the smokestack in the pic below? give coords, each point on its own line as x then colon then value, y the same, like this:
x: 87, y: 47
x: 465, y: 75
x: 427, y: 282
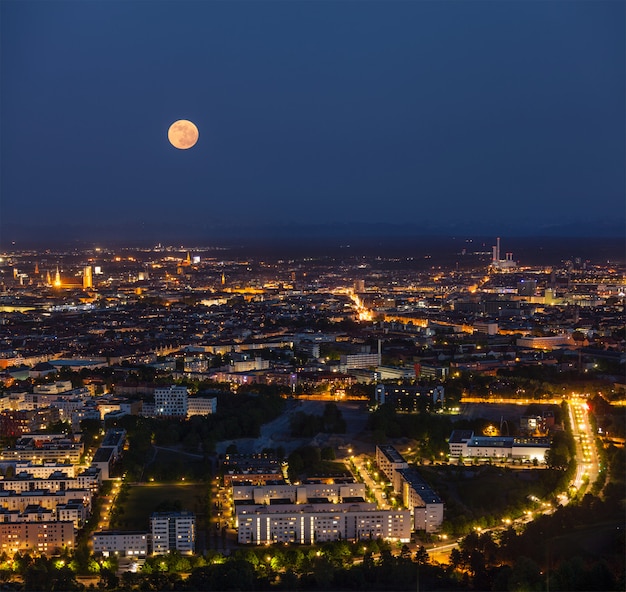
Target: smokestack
x: 498, y: 249
x: 494, y: 257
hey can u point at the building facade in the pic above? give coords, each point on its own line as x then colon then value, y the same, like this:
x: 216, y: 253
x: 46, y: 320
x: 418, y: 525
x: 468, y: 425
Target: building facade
x: 313, y: 523
x: 122, y: 543
x: 171, y: 401
x: 46, y: 538
x: 173, y: 531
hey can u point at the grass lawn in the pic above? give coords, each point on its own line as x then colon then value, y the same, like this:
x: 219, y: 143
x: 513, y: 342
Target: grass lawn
x: 142, y: 500
x: 173, y: 465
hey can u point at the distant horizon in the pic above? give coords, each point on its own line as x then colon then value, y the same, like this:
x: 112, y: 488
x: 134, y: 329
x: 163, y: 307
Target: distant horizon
x: 434, y: 249
x: 36, y: 236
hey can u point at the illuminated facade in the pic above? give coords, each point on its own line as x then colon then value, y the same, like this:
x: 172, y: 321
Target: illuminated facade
x: 87, y: 277
x: 173, y: 531
x: 122, y: 543
x: 424, y: 504
x: 42, y: 448
x: 499, y: 447
x: 264, y: 494
x: 11, y: 500
x: 201, y: 406
x: 57, y: 481
x: 390, y: 461
x: 46, y: 538
x: 313, y: 523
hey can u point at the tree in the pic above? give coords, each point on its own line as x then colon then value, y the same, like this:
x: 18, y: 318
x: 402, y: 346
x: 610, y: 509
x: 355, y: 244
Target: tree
x: 456, y: 559
x: 526, y: 575
x: 421, y: 556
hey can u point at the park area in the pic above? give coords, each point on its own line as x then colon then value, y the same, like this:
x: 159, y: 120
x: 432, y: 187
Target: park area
x: 487, y: 493
x: 135, y: 503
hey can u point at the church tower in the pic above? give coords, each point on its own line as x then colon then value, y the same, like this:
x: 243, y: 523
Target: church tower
x: 87, y: 278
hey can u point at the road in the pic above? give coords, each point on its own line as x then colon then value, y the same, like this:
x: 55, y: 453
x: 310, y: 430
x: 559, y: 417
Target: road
x: 107, y: 505
x: 369, y: 473
x: 587, y: 466
x: 586, y: 456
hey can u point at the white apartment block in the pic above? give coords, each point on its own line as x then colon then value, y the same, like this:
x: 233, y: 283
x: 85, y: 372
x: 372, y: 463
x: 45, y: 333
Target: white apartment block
x: 390, y: 461
x: 171, y: 401
x: 57, y: 481
x: 316, y: 523
x: 424, y: 504
x: 43, y: 471
x: 53, y: 388
x: 124, y: 544
x: 74, y: 512
x: 173, y: 531
x: 11, y: 500
x: 264, y: 494
x: 497, y: 447
x: 249, y: 365
x: 354, y: 361
x: 201, y: 406
x: 30, y: 514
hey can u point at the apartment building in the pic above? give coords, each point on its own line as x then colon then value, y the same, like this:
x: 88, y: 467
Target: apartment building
x: 122, y: 543
x: 173, y: 531
x: 314, y: 522
x: 46, y: 538
x: 171, y: 401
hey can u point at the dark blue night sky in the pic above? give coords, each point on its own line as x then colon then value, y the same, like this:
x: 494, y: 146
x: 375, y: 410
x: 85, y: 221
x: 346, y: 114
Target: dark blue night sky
x: 445, y: 117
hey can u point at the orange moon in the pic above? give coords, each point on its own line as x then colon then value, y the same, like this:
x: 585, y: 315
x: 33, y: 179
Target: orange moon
x: 183, y: 134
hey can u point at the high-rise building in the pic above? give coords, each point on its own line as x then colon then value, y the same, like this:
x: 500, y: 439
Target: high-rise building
x: 359, y: 286
x: 171, y: 401
x: 87, y: 277
x: 173, y: 531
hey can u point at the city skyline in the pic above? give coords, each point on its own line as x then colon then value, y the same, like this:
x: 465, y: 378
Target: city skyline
x: 315, y: 120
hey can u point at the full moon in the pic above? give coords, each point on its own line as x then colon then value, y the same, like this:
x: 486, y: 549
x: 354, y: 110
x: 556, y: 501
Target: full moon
x: 183, y: 134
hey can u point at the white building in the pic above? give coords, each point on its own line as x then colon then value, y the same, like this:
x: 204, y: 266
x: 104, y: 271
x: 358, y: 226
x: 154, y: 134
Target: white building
x: 312, y: 523
x: 173, y: 531
x: 390, y: 461
x: 122, y: 543
x: 264, y: 494
x: 53, y: 388
x: 201, y: 406
x: 395, y: 373
x: 498, y: 447
x: 56, y: 481
x: 74, y: 511
x: 249, y: 365
x: 353, y: 361
x: 12, y: 500
x: 457, y: 442
x: 426, y: 506
x: 43, y: 471
x: 171, y: 401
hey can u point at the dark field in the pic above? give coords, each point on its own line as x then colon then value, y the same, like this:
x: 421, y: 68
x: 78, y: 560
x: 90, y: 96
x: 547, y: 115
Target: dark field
x: 143, y: 500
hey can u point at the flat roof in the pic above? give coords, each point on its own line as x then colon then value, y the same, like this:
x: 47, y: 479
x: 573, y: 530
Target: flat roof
x: 425, y: 491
